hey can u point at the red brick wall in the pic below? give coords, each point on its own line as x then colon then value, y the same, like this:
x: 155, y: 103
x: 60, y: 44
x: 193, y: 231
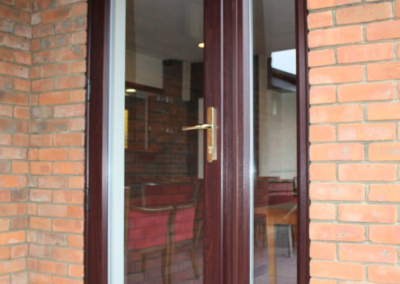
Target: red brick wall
x: 354, y: 60
x: 354, y: 132
x: 42, y: 96
x: 15, y: 64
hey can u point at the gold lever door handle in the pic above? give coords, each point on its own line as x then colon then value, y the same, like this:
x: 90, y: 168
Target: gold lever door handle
x: 197, y: 127
x: 211, y: 134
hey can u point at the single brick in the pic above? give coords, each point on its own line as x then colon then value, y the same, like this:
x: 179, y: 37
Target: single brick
x: 68, y: 139
x: 322, y: 133
x: 71, y: 53
x: 53, y: 98
x: 384, y: 192
x: 335, y: 36
x: 321, y: 57
x: 336, y: 74
x: 383, y: 274
x: 339, y: 192
x: 367, y: 132
x: 68, y: 255
x: 22, y: 85
x: 318, y: 4
x: 367, y: 253
x: 383, y: 111
x: 39, y: 5
x: 56, y: 14
x: 68, y: 226
x: 365, y: 52
x: 337, y: 270
x: 12, y: 266
x: 15, y: 15
x: 53, y: 182
x: 367, y: 172
x: 366, y: 92
x: 397, y: 12
x: 322, y: 95
x: 337, y: 232
x: 53, y: 154
x: 79, y: 10
x: 52, y: 267
x: 70, y: 82
x: 322, y: 172
x: 337, y: 152
x: 322, y: 211
x: 367, y: 213
x: 40, y: 168
x: 47, y: 210
x: 54, y: 70
x: 75, y: 241
x: 319, y: 20
x: 383, y: 30
x: 68, y: 168
x: 340, y: 113
x: 383, y: 71
x: 384, y: 152
x: 69, y: 110
x: 364, y: 13
x: 42, y: 85
x: 76, y: 212
x: 326, y: 251
x: 383, y: 234
x: 39, y: 195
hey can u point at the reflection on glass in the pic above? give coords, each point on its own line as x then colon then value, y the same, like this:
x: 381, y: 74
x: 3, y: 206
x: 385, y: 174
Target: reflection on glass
x: 164, y: 165
x: 275, y: 198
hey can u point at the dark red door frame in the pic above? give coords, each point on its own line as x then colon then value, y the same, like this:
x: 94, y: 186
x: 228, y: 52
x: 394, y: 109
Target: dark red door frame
x: 227, y: 238
x: 303, y: 144
x: 96, y: 213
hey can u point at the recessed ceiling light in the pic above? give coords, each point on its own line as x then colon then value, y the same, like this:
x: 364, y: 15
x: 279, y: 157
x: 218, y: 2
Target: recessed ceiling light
x: 201, y: 45
x: 130, y: 90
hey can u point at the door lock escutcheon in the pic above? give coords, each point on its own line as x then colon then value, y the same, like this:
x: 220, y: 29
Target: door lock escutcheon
x: 211, y: 128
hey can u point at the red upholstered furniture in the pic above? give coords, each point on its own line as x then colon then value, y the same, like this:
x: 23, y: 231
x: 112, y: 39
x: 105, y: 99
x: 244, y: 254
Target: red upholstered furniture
x: 182, y: 234
x: 149, y: 230
x: 161, y: 217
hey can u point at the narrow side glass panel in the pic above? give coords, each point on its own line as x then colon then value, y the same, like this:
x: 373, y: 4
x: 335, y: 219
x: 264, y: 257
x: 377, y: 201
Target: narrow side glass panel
x: 275, y: 140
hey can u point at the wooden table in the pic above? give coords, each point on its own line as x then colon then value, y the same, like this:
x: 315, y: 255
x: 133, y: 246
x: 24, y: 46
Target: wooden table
x: 281, y: 214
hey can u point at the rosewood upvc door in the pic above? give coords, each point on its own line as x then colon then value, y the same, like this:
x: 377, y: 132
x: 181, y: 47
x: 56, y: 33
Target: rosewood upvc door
x: 178, y: 166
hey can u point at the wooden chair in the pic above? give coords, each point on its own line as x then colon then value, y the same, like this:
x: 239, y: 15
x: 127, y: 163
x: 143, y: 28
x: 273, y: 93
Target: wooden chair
x: 277, y: 193
x: 148, y: 230
x: 181, y: 224
x: 182, y: 234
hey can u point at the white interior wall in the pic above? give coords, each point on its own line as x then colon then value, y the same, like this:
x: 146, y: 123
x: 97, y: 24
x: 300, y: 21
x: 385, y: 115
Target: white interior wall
x: 144, y: 70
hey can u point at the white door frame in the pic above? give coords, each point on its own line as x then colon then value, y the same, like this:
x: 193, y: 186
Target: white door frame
x: 116, y: 143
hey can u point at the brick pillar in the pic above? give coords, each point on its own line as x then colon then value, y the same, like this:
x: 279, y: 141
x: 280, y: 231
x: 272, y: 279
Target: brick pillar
x: 15, y: 64
x: 42, y: 108
x: 355, y: 149
x: 56, y: 141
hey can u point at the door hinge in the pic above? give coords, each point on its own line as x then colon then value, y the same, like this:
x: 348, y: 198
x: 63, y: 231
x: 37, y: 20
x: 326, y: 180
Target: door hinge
x: 87, y: 200
x: 89, y: 90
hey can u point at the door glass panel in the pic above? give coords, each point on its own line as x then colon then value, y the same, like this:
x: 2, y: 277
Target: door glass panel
x: 164, y: 165
x: 275, y: 139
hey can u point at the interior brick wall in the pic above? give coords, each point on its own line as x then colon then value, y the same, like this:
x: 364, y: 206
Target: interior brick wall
x: 42, y: 108
x: 355, y: 148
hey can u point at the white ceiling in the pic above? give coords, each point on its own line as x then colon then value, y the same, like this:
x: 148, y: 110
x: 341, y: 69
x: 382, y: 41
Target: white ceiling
x: 172, y: 29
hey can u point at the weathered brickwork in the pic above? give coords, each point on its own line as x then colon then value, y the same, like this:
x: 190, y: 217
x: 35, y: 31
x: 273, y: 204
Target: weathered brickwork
x: 42, y: 108
x: 355, y: 141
